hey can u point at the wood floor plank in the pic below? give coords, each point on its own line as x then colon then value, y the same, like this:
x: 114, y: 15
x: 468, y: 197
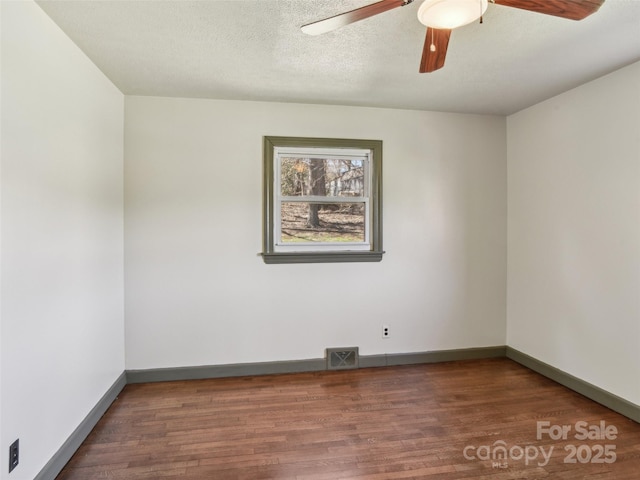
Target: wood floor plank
x: 406, y: 422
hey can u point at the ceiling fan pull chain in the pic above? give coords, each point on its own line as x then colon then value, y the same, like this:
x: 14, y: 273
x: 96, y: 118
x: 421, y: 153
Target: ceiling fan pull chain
x: 481, y: 13
x: 433, y: 45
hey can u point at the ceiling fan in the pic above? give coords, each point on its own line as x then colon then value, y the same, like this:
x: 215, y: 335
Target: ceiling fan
x: 442, y: 16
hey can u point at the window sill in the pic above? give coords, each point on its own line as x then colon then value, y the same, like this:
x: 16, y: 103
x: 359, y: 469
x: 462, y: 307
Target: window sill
x: 321, y: 257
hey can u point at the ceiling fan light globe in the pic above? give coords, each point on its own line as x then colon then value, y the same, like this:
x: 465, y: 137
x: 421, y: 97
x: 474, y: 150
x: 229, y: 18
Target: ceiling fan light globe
x: 449, y: 14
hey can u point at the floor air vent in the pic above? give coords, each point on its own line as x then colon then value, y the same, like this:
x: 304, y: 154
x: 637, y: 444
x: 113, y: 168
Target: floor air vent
x: 342, y: 358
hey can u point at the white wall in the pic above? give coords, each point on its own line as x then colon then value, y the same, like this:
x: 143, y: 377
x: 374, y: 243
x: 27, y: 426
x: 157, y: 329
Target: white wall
x: 574, y: 232
x: 197, y: 293
x: 62, y: 323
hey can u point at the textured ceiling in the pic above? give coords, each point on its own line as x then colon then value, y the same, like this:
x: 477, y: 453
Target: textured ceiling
x: 254, y: 50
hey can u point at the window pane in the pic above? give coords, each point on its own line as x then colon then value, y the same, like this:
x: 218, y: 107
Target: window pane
x: 332, y: 222
x: 331, y: 177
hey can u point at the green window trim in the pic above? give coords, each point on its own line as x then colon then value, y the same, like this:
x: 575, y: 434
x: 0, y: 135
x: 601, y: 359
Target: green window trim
x: 270, y: 254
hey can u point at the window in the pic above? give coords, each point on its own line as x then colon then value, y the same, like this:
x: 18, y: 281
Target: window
x: 322, y: 200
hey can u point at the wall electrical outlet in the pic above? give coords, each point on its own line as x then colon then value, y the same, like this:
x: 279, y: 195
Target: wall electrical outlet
x: 385, y: 331
x: 14, y: 455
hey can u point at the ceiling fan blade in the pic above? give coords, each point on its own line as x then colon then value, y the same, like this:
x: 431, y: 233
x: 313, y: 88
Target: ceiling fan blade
x: 342, y: 19
x: 435, y: 49
x: 571, y: 9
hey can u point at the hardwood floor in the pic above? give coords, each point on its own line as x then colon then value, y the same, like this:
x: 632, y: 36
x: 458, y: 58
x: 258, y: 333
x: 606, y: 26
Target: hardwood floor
x: 437, y: 421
